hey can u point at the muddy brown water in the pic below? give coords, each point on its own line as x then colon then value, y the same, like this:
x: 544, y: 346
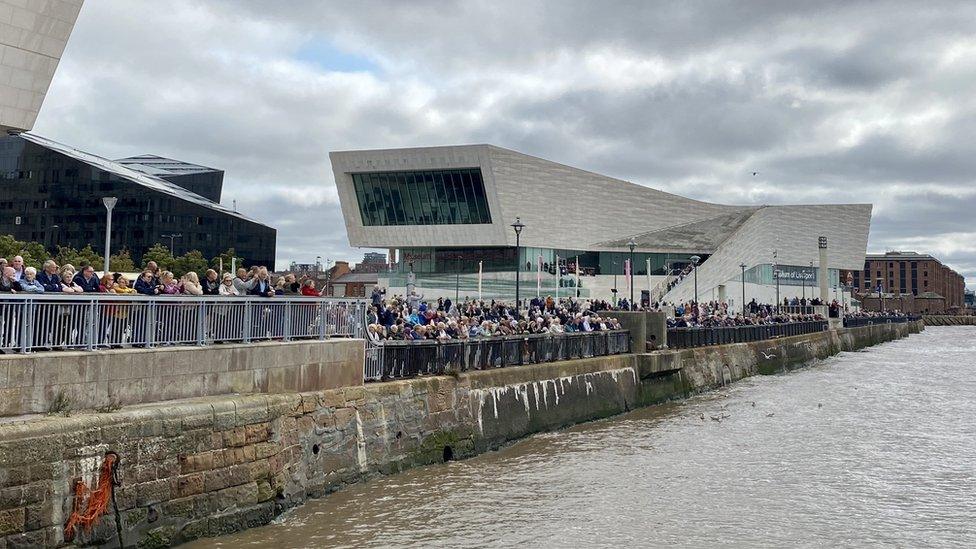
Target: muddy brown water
x: 870, y: 448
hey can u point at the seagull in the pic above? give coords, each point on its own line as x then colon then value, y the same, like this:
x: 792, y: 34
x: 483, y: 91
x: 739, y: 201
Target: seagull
x: 754, y: 174
x: 820, y: 405
x: 716, y: 418
x: 754, y: 404
x: 767, y: 357
x: 770, y: 414
x: 702, y: 416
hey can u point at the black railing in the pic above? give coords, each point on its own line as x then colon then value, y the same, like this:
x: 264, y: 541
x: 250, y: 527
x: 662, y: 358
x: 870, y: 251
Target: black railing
x: 400, y: 359
x: 683, y: 338
x: 857, y: 322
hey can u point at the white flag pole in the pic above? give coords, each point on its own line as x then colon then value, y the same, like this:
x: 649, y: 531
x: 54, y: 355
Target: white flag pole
x: 538, y: 278
x: 479, y: 281
x: 557, y: 279
x: 649, y: 281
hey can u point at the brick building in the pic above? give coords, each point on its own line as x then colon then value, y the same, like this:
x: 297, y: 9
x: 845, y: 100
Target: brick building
x: 910, y: 273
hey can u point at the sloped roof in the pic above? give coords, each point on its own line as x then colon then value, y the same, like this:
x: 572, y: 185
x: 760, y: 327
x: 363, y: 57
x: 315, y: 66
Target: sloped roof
x: 149, y: 181
x: 160, y: 166
x: 703, y: 235
x: 352, y: 277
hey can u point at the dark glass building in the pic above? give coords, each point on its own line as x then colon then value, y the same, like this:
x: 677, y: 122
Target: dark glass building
x: 52, y: 193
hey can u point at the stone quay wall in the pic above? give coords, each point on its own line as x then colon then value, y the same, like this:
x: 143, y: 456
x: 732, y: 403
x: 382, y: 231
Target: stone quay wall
x: 211, y: 466
x: 949, y: 320
x: 85, y: 380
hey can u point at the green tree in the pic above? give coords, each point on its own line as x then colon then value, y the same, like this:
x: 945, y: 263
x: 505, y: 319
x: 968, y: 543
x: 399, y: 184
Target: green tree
x: 122, y: 262
x: 77, y: 258
x: 228, y: 258
x: 160, y: 254
x: 190, y: 261
x: 34, y: 253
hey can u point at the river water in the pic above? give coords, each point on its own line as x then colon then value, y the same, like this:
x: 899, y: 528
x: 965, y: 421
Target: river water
x: 868, y: 448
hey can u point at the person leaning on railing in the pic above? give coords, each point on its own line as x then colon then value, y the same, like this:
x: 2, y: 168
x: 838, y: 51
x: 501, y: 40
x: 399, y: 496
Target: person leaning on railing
x: 68, y: 285
x: 210, y: 283
x: 146, y: 284
x: 49, y: 278
x: 228, y: 287
x: 8, y: 284
x: 29, y: 283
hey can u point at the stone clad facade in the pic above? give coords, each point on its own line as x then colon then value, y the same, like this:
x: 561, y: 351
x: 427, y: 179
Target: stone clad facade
x: 33, y: 35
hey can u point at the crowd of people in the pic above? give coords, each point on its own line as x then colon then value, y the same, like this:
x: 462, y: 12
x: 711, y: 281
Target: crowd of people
x: 412, y: 318
x: 714, y: 314
x: 152, y: 281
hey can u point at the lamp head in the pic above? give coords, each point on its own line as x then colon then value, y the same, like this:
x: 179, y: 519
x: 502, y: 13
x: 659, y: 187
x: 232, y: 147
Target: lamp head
x: 695, y: 259
x: 518, y: 225
x: 632, y: 245
x: 109, y: 202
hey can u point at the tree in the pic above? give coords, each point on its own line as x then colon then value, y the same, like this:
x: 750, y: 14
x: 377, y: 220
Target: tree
x: 77, y: 258
x: 160, y: 254
x: 122, y: 262
x: 34, y: 253
x: 190, y: 261
x: 228, y: 259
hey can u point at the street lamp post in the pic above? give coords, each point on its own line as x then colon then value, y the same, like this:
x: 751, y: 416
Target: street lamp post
x: 517, y: 227
x: 632, y: 245
x: 457, y: 278
x: 109, y: 202
x: 171, y: 237
x: 694, y: 261
x: 743, y: 267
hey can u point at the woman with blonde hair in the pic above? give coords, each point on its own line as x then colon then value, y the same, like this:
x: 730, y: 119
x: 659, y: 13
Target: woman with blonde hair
x: 191, y: 284
x: 68, y: 284
x: 168, y: 284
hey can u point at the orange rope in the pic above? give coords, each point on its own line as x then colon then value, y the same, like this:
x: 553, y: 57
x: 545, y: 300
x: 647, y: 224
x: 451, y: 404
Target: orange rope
x: 97, y: 500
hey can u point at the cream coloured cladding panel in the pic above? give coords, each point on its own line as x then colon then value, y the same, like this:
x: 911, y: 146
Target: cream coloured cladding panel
x: 561, y: 206
x: 792, y: 231
x: 33, y: 35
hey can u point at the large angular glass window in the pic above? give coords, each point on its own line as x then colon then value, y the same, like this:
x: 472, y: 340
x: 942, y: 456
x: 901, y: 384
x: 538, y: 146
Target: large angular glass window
x: 437, y: 197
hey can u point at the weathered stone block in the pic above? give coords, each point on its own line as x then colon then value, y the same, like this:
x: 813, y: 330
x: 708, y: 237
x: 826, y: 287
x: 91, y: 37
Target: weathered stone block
x: 189, y: 485
x: 12, y: 521
x: 196, y: 462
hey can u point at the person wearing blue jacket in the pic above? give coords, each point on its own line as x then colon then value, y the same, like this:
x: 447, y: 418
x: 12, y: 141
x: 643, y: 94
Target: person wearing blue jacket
x: 29, y: 283
x: 49, y: 278
x: 87, y: 279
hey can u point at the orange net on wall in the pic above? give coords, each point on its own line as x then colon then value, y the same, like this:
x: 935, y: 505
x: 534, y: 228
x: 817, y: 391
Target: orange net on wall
x: 95, y: 501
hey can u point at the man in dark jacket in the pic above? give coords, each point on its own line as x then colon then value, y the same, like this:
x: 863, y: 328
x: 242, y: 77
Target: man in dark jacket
x: 87, y: 279
x: 145, y: 284
x: 49, y: 277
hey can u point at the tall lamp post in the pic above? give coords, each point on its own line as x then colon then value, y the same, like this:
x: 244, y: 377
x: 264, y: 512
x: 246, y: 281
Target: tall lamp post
x: 109, y: 202
x: 457, y: 279
x: 171, y: 238
x: 743, y: 267
x: 694, y: 261
x: 517, y: 227
x: 632, y: 245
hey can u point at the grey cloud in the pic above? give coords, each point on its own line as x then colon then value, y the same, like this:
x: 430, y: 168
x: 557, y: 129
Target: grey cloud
x: 829, y: 101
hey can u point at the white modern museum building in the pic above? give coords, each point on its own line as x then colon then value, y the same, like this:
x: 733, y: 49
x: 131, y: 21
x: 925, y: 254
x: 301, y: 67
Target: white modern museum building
x: 447, y: 213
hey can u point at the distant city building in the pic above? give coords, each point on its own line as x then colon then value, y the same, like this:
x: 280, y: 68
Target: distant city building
x: 373, y: 262
x: 32, y: 38
x: 910, y: 273
x: 52, y: 193
x: 447, y: 214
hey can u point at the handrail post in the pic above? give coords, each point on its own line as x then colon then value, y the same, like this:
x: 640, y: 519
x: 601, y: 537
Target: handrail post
x: 202, y: 323
x: 286, y: 328
x: 151, y: 324
x: 321, y: 314
x: 90, y: 326
x: 247, y: 321
x: 26, y: 325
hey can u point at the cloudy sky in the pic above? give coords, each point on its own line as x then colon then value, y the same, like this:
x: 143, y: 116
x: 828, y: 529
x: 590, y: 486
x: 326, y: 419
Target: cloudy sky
x: 829, y: 102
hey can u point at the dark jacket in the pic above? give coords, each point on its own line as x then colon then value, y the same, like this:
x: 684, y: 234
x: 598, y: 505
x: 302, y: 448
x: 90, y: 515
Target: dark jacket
x: 210, y: 288
x: 51, y: 283
x: 261, y: 288
x: 145, y: 288
x: 90, y: 285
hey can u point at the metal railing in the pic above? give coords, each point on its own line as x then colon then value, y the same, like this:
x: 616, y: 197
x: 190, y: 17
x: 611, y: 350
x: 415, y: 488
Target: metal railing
x: 857, y: 322
x: 97, y: 321
x: 683, y: 338
x: 400, y: 359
